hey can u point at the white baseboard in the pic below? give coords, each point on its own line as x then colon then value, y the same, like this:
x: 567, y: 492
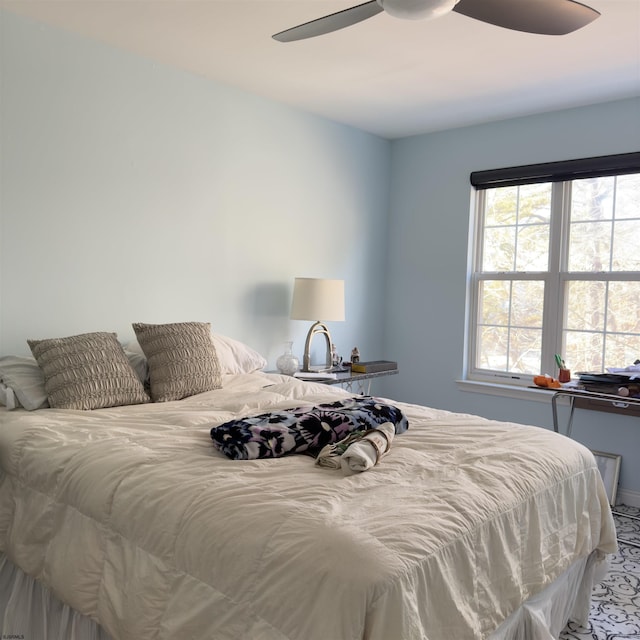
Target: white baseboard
x: 628, y: 497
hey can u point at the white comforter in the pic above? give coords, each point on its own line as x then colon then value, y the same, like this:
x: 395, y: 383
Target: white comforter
x: 132, y: 517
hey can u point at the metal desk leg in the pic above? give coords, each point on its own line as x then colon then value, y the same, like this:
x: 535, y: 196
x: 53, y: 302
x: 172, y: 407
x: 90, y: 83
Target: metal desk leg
x: 570, y: 421
x: 554, y: 409
x: 364, y: 388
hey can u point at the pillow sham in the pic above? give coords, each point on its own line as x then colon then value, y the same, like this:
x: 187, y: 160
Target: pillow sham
x: 24, y: 377
x: 181, y: 357
x: 87, y: 371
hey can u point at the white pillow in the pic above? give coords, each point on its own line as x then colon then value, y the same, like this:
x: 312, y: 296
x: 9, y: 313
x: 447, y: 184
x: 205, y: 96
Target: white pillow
x: 234, y: 356
x: 25, y: 378
x: 138, y: 363
x: 7, y: 397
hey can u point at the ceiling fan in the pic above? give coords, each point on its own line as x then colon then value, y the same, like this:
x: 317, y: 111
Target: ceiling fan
x: 549, y: 17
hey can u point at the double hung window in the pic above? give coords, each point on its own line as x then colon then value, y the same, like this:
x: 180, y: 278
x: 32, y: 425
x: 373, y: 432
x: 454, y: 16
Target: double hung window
x: 555, y: 268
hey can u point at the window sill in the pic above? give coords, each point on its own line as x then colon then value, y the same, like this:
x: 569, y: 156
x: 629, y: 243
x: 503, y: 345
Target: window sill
x: 508, y: 391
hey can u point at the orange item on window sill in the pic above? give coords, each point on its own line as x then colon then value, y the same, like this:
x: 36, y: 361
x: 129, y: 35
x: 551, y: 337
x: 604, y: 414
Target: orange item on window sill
x: 547, y: 382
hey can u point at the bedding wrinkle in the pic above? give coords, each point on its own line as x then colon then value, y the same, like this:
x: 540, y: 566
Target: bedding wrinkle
x: 336, y: 558
x: 515, y: 584
x: 131, y: 516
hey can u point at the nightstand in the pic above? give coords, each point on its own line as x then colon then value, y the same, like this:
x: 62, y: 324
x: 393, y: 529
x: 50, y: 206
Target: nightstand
x: 350, y: 380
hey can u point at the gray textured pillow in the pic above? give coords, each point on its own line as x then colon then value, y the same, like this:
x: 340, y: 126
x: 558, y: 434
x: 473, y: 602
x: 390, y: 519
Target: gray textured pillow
x: 182, y: 359
x: 88, y: 371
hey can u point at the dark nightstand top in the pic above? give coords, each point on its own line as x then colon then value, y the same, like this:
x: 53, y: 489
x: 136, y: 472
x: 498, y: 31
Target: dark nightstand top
x: 354, y: 382
x: 345, y: 375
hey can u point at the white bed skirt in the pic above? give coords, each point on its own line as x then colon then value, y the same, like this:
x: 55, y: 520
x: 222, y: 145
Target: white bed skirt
x: 29, y: 610
x: 544, y: 616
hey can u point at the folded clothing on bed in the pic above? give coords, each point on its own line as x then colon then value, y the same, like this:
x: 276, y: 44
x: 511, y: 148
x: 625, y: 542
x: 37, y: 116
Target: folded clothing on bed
x: 359, y: 451
x: 303, y: 429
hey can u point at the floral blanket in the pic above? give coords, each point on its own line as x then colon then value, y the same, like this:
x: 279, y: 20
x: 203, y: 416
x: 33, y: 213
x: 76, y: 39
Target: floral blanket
x: 303, y: 430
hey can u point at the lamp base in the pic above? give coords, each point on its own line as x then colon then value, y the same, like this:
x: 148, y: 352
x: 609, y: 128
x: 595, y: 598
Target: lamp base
x: 316, y: 328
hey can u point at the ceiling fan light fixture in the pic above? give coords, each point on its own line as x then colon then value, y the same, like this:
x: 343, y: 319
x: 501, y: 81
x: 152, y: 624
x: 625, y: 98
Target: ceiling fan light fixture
x: 549, y: 17
x: 417, y: 9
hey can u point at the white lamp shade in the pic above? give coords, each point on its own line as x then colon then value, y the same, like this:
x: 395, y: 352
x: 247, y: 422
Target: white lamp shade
x: 318, y: 299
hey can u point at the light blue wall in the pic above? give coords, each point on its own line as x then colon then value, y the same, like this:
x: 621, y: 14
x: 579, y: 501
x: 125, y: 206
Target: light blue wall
x: 131, y: 191
x: 428, y: 245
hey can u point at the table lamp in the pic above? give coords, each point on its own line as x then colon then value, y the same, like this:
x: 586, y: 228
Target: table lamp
x: 321, y: 300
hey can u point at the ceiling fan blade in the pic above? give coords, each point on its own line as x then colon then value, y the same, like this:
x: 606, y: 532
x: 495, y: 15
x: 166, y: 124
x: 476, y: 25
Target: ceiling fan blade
x: 548, y: 17
x: 332, y: 22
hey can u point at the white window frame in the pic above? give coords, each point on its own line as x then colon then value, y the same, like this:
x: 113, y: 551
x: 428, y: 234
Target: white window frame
x: 556, y: 276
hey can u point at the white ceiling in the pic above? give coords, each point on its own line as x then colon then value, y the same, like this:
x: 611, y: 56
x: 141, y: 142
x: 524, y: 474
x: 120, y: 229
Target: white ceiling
x: 388, y: 76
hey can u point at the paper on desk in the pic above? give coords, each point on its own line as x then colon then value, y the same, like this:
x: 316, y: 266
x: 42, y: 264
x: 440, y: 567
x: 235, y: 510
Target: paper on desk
x: 315, y: 375
x: 633, y: 371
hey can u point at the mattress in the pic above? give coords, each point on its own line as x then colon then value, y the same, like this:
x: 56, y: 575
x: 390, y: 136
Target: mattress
x: 130, y: 516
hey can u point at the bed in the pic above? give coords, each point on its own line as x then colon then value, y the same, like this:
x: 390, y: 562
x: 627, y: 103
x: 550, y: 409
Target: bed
x: 127, y: 523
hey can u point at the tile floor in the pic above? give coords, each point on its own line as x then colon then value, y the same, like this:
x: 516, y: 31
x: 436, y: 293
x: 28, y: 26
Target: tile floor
x: 615, y: 604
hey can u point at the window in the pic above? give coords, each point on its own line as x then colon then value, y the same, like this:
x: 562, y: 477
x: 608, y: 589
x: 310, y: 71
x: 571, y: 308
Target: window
x: 555, y: 269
